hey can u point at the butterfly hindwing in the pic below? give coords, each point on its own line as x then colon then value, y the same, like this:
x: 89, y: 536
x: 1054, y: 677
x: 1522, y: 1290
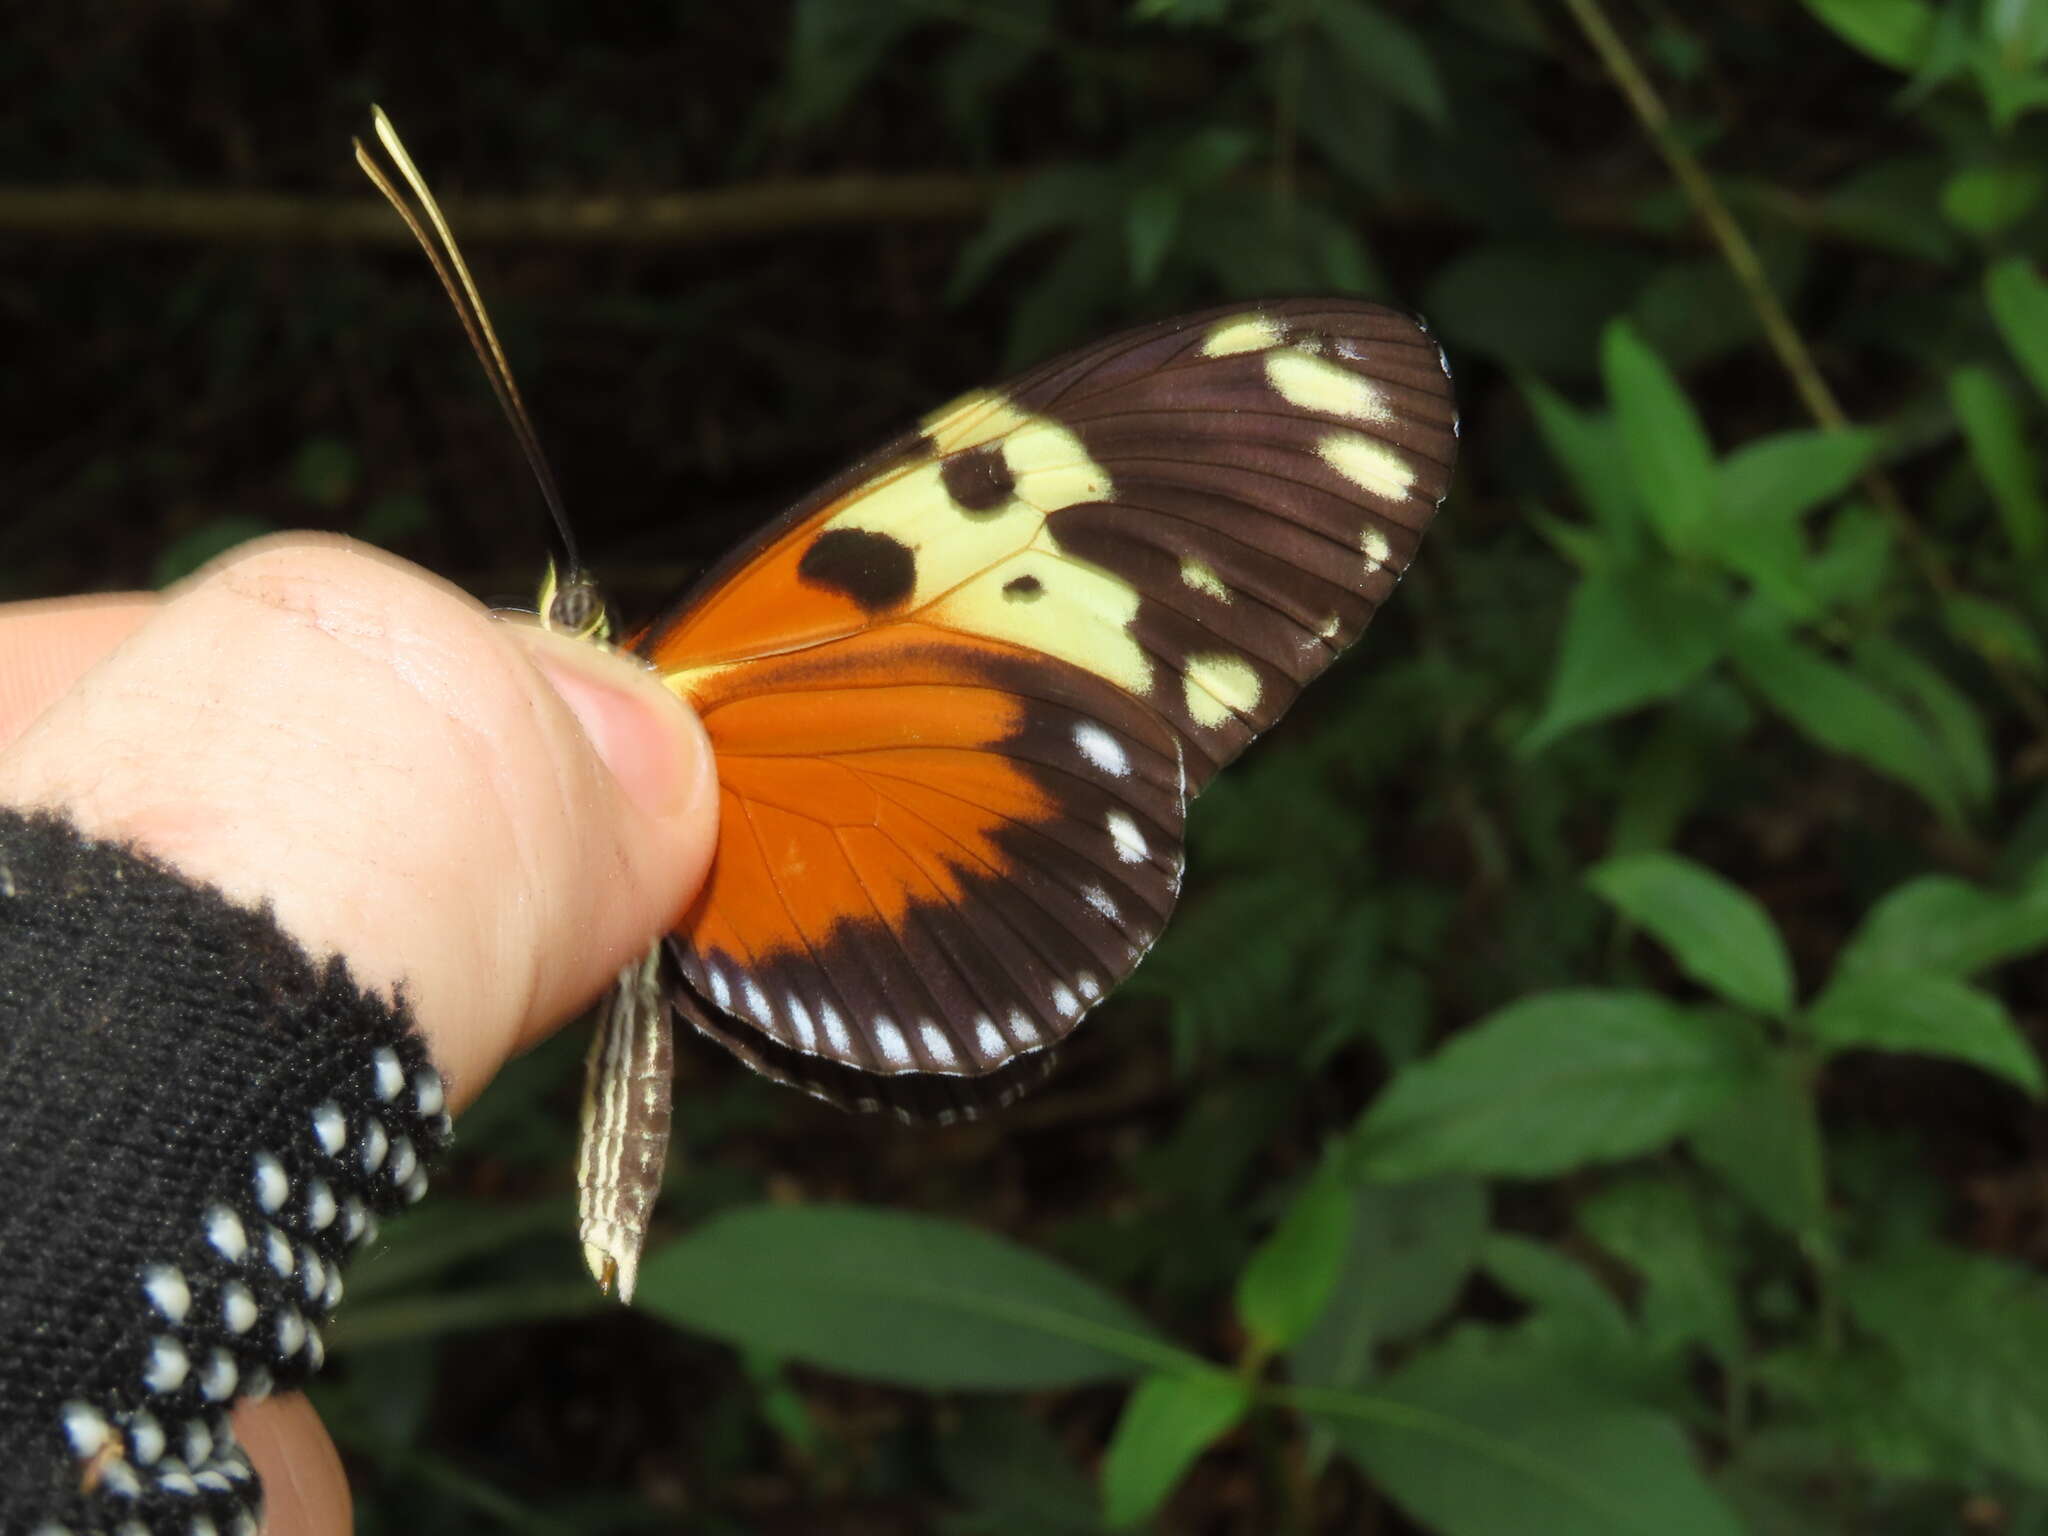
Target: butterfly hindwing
x: 960, y: 697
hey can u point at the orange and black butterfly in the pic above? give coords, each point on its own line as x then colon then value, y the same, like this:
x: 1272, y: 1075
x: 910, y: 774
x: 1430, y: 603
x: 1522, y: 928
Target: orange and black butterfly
x: 961, y: 697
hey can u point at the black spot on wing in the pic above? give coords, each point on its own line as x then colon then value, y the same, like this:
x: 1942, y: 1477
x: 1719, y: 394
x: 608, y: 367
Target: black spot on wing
x: 871, y: 568
x: 1023, y: 588
x: 978, y: 480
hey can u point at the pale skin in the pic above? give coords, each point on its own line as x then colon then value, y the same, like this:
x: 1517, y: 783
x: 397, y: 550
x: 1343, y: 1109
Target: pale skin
x: 496, y: 817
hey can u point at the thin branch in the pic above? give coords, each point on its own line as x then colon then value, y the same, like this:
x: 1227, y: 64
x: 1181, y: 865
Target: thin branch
x: 1779, y: 330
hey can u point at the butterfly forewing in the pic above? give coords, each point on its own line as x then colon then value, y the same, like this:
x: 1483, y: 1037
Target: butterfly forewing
x: 960, y: 697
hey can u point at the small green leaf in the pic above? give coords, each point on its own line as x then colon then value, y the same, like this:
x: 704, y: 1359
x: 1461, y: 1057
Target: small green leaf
x: 1171, y: 1418
x: 1631, y: 637
x: 2000, y: 447
x: 1765, y: 1143
x: 1994, y: 631
x: 1553, y: 1081
x: 1720, y: 935
x: 1472, y: 1441
x: 1954, y: 723
x: 1588, y: 447
x: 1688, y: 1296
x: 1894, y: 32
x: 895, y: 1297
x: 1562, y: 1292
x: 1988, y: 199
x: 1662, y: 441
x: 1846, y: 713
x: 1386, y: 54
x: 1150, y: 223
x: 1285, y: 1286
x: 1791, y: 473
x: 1943, y: 926
x: 1411, y: 1247
x: 1927, y: 1015
x: 2019, y: 304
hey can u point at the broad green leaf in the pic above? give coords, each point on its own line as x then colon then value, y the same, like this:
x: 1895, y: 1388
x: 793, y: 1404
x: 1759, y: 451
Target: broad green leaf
x: 1894, y: 32
x: 2019, y: 304
x: 1987, y: 199
x: 1411, y: 1247
x: 1631, y: 637
x: 1972, y: 1332
x: 1385, y: 54
x: 895, y: 1297
x: 1473, y: 1442
x: 1999, y: 444
x: 1943, y: 926
x: 1588, y: 448
x: 1791, y: 473
x: 1854, y: 559
x: 1846, y: 713
x: 1720, y: 935
x: 1663, y: 443
x: 1688, y: 1296
x: 1927, y: 1015
x: 1553, y: 1081
x: 1765, y: 1143
x: 1287, y: 1283
x: 1171, y: 1418
x: 1059, y: 197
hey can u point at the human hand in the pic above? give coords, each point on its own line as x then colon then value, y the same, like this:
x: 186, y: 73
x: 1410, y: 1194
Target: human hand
x: 496, y: 817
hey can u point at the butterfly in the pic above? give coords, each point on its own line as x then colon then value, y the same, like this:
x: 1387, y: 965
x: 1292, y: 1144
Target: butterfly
x: 961, y: 697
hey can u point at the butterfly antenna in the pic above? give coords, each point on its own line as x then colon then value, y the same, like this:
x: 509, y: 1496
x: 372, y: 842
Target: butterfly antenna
x: 569, y: 600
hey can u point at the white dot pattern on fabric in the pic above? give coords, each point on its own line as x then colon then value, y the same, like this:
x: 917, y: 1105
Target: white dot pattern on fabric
x: 389, y: 1074
x: 330, y: 1128
x: 320, y: 1207
x: 272, y: 1187
x: 86, y: 1428
x: 237, y: 1307
x: 164, y: 1285
x: 224, y: 1231
x: 217, y: 1381
x: 277, y: 1249
x: 167, y: 1366
x: 145, y: 1438
x: 403, y: 1159
x: 291, y: 1332
x: 376, y: 1145
x: 427, y: 1097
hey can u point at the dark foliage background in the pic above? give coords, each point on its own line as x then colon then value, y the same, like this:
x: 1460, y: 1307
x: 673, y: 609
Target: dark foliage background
x: 1592, y: 1084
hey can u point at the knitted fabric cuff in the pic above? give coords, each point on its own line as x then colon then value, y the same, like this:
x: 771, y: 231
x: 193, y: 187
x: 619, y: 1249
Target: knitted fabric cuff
x: 198, y: 1126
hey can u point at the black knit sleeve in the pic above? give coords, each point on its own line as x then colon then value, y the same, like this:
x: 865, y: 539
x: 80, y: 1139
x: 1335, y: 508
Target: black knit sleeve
x: 198, y: 1126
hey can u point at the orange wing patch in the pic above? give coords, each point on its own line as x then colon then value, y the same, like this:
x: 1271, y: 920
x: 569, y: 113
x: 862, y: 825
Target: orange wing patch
x: 961, y: 696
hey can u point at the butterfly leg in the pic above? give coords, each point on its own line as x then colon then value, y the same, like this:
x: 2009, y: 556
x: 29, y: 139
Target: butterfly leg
x: 626, y: 1094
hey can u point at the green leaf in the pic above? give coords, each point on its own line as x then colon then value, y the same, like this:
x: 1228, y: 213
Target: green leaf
x: 1894, y: 32
x: 1846, y: 713
x: 1928, y: 1015
x: 1386, y: 54
x: 1985, y: 200
x: 1972, y: 1332
x: 1766, y: 1144
x: 1551, y: 1082
x: 1720, y: 935
x: 2000, y: 447
x: 2019, y: 304
x: 1994, y: 631
x: 1059, y: 197
x: 1631, y: 637
x: 1150, y: 223
x: 1559, y: 1290
x: 1411, y: 1247
x: 895, y: 1297
x: 1662, y: 441
x: 834, y: 47
x: 1688, y: 1296
x: 1288, y: 1281
x: 1170, y: 1420
x: 1588, y: 447
x: 1953, y: 722
x: 1943, y: 926
x: 1791, y: 473
x: 1473, y: 1443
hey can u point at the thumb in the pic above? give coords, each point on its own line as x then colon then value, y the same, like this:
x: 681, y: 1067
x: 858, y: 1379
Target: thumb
x: 494, y: 818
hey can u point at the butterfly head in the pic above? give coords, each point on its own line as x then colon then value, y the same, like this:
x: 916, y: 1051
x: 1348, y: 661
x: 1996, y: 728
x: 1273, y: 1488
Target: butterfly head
x: 572, y: 605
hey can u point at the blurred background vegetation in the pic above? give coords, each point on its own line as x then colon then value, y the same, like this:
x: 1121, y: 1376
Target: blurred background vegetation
x: 1593, y: 1083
